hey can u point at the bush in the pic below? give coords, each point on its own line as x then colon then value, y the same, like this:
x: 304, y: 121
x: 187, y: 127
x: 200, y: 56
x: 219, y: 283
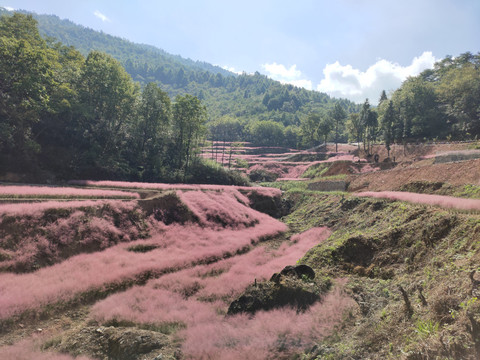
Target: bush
x: 262, y: 176
x: 205, y: 171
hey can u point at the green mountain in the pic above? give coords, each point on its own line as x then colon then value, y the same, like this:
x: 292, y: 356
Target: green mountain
x: 246, y: 97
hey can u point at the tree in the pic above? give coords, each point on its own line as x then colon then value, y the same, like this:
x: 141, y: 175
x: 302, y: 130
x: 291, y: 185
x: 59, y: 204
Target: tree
x: 108, y: 95
x: 383, y: 97
x: 26, y: 80
x: 325, y: 127
x: 266, y: 133
x: 459, y: 92
x: 291, y: 135
x: 355, y: 128
x: 309, y: 126
x: 152, y: 130
x: 189, y: 117
x: 225, y: 129
x: 387, y: 121
x: 364, y: 119
x: 372, y: 126
x: 338, y: 115
x: 419, y: 110
x: 55, y: 132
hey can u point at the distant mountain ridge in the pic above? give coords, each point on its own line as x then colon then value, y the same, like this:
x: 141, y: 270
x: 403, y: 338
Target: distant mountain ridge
x: 247, y: 97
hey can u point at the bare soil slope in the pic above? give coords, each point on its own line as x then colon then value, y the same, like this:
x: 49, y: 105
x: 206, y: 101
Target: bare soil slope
x: 458, y: 173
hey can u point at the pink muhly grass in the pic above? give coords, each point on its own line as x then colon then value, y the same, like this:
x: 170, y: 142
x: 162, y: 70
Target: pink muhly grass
x: 39, y: 238
x: 159, y: 186
x: 67, y: 192
x: 427, y: 199
x: 35, y: 209
x: 273, y: 333
x: 219, y: 208
x: 180, y: 246
x: 177, y: 297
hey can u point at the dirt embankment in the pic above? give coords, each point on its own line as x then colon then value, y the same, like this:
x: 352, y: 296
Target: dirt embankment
x: 458, y: 173
x: 411, y: 152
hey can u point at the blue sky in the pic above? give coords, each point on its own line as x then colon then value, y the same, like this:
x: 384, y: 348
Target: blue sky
x: 347, y: 48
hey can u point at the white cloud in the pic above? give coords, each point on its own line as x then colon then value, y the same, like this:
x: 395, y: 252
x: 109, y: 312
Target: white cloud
x: 231, y: 69
x: 8, y: 8
x: 287, y: 76
x: 348, y: 82
x: 102, y: 17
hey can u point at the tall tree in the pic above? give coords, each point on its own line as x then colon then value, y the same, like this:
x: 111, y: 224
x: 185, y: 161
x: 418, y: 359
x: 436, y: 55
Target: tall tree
x: 325, y: 127
x: 355, y: 128
x: 309, y: 126
x: 189, y: 117
x: 387, y: 121
x: 26, y: 80
x: 339, y: 116
x: 383, y: 97
x: 364, y: 120
x: 109, y: 96
x: 459, y: 93
x: 153, y: 120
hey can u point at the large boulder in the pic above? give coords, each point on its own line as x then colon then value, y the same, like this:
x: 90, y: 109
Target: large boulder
x: 294, y: 286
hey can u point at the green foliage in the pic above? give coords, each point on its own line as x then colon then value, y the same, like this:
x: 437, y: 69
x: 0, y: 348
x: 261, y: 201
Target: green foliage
x: 470, y: 191
x: 86, y: 117
x: 266, y: 133
x: 338, y: 116
x: 108, y: 96
x: 315, y: 171
x: 441, y: 103
x: 26, y: 81
x: 426, y: 328
x: 204, y: 171
x: 189, y: 117
x: 387, y: 121
x: 243, y: 97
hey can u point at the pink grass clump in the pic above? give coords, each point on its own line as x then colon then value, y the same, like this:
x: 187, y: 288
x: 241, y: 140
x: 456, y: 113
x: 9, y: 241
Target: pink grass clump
x: 39, y: 236
x: 67, y: 192
x: 177, y: 247
x: 219, y: 208
x: 197, y: 297
x: 448, y: 202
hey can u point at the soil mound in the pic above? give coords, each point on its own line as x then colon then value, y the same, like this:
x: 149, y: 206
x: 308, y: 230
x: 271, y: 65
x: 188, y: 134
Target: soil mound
x: 117, y: 343
x: 293, y: 287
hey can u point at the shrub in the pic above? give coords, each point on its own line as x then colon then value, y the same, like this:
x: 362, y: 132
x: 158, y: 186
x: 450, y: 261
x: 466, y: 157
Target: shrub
x: 207, y: 171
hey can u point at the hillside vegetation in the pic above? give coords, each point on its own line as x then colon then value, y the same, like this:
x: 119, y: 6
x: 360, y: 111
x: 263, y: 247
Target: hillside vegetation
x: 410, y: 269
x: 247, y: 97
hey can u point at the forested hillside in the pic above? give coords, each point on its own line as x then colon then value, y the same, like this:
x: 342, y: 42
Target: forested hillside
x: 64, y: 116
x: 245, y: 97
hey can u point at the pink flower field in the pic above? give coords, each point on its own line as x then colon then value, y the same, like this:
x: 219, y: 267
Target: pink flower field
x: 7, y: 191
x: 176, y: 247
x: 166, y: 187
x: 151, y: 273
x: 35, y: 235
x: 198, y: 297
